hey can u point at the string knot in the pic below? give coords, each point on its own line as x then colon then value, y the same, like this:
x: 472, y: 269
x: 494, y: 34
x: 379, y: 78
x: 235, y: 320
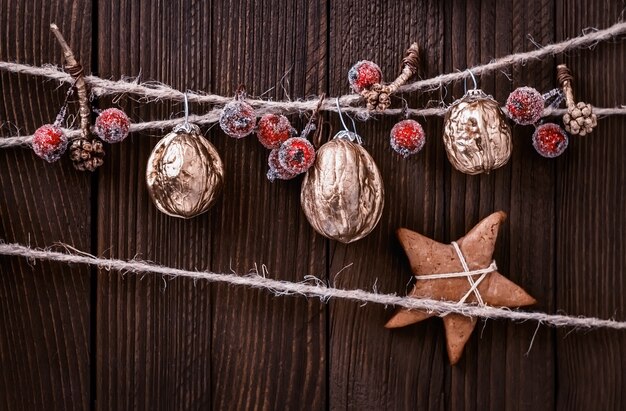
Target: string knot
x: 469, y: 274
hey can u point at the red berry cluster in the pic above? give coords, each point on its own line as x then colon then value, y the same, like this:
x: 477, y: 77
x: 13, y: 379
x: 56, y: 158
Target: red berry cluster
x: 49, y: 141
x: 363, y: 75
x: 525, y: 106
x: 407, y: 137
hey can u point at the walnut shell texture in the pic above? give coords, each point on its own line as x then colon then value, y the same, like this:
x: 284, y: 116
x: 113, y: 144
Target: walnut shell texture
x: 476, y: 135
x: 185, y: 174
x: 342, y: 194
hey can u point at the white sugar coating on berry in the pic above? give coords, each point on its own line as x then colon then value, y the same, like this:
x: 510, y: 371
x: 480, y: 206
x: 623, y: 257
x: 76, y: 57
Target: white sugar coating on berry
x: 49, y: 142
x: 273, y: 130
x: 112, y: 125
x: 276, y: 170
x: 238, y: 119
x: 407, y: 137
x: 364, y: 74
x: 525, y: 106
x: 296, y: 155
x: 550, y: 140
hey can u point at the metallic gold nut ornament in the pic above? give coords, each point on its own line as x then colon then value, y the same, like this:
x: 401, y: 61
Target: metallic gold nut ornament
x: 476, y: 135
x: 342, y: 194
x: 185, y: 173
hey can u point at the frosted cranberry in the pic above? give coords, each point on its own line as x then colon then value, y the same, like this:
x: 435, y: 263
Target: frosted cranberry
x: 407, y: 137
x: 49, y: 142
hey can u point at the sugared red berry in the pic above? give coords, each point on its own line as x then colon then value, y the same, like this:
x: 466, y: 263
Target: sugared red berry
x: 550, y: 140
x: 49, y: 142
x: 525, y: 105
x: 238, y: 119
x: 363, y: 75
x: 296, y: 155
x: 112, y: 125
x: 273, y: 130
x: 276, y: 170
x: 407, y: 137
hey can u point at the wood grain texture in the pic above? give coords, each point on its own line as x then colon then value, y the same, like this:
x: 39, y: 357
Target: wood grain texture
x: 590, y: 221
x: 268, y: 353
x: 191, y: 345
x: 379, y: 369
x: 497, y: 373
x: 372, y: 367
x: 44, y: 308
x: 178, y: 344
x: 153, y: 336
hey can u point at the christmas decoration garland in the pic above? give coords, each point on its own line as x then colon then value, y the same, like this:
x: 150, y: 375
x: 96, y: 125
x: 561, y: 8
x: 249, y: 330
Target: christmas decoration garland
x: 342, y: 193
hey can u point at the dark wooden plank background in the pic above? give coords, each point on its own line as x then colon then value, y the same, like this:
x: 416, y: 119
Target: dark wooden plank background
x: 75, y: 339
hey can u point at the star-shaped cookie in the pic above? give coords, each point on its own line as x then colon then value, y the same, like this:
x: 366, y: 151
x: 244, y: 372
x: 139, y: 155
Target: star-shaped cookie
x: 427, y: 256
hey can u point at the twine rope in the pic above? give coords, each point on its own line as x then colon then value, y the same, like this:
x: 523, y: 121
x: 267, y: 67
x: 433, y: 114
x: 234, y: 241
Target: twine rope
x: 317, y: 290
x: 152, y: 91
x: 213, y: 116
x: 157, y: 91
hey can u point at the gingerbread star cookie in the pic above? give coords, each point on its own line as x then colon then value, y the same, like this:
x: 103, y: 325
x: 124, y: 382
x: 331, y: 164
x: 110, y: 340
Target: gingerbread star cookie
x: 464, y: 272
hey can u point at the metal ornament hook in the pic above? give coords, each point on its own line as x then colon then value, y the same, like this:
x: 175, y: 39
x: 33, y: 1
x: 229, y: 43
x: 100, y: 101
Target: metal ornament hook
x: 345, y: 133
x: 473, y: 79
x: 186, y: 126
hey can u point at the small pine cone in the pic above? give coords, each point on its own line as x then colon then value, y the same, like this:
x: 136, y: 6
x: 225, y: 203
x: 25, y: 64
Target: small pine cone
x: 579, y: 119
x: 377, y: 98
x: 87, y: 155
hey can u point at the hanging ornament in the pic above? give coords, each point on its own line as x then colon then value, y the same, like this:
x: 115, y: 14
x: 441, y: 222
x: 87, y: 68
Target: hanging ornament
x: 342, y: 194
x: 238, y: 118
x: 296, y: 154
x: 407, y: 137
x: 112, y: 125
x: 86, y: 153
x: 579, y: 119
x: 476, y: 135
x: 273, y: 130
x: 550, y: 140
x: 365, y: 78
x: 185, y: 173
x: 463, y: 272
x: 525, y: 106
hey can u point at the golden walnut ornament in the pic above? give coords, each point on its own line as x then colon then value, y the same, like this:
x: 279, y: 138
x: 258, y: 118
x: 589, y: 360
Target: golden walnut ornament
x: 342, y: 194
x: 476, y: 135
x: 185, y: 173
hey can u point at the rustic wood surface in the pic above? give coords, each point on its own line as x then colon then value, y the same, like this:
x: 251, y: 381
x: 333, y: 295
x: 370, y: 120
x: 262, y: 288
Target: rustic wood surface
x: 71, y: 338
x: 45, y: 309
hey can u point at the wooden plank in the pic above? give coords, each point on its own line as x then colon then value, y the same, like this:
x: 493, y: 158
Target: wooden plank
x: 153, y: 336
x: 377, y: 369
x: 374, y: 368
x: 496, y: 370
x: 45, y: 308
x: 191, y: 345
x: 268, y: 353
x: 590, y: 221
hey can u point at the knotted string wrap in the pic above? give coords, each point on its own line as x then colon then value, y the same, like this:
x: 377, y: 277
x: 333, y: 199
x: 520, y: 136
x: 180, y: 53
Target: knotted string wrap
x: 467, y: 273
